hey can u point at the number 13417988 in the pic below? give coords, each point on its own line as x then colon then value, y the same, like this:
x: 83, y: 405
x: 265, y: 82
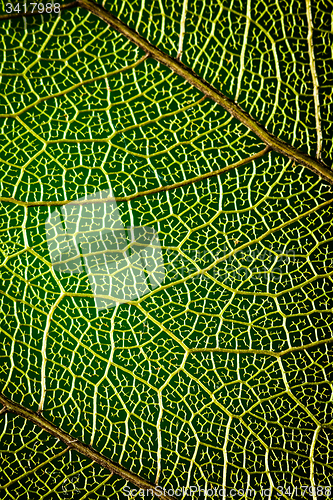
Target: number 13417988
x: 48, y: 8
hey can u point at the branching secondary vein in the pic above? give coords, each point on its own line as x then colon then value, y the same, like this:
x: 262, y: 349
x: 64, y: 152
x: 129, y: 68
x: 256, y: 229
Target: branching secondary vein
x: 276, y: 144
x: 133, y: 196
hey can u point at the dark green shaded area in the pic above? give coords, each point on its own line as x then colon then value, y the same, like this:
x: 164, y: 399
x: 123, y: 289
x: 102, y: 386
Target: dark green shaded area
x: 242, y: 271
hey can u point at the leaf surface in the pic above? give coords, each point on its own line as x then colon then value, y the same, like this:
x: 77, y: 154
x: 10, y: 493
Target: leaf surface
x: 211, y: 366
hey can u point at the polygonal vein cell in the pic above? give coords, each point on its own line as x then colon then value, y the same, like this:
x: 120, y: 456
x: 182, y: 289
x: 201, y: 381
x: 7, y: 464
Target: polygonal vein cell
x: 122, y: 264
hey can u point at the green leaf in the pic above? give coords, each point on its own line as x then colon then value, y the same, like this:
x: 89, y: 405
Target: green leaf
x: 166, y: 251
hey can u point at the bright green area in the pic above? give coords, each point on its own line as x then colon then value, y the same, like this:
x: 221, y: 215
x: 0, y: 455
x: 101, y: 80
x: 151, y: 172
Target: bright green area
x: 146, y: 383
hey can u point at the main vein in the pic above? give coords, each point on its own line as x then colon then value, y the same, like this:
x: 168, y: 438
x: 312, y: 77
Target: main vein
x: 276, y: 144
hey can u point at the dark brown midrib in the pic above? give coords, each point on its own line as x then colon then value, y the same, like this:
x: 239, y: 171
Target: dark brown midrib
x: 276, y: 144
x: 79, y: 446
